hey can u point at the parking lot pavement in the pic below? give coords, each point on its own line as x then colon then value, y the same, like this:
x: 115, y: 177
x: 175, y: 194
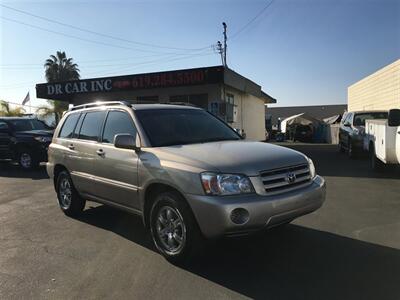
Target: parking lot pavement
x: 349, y: 249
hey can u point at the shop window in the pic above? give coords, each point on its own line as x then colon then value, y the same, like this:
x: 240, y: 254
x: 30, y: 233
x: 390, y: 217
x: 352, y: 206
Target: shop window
x: 230, y: 98
x: 199, y: 100
x: 147, y: 99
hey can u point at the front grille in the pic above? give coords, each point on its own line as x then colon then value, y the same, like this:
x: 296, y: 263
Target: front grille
x: 284, y: 179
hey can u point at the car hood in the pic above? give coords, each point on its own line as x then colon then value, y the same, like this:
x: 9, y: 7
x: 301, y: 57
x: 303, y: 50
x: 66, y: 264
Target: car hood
x: 45, y: 133
x: 243, y: 157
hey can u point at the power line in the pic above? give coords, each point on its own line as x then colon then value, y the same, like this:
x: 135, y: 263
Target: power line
x: 100, y: 60
x: 101, y: 34
x: 80, y: 38
x: 119, y: 69
x: 23, y: 67
x: 252, y: 20
x: 158, y: 61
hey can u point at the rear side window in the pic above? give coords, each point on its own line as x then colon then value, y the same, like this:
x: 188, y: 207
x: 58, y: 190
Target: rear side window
x: 118, y: 122
x: 91, y: 125
x: 67, y: 130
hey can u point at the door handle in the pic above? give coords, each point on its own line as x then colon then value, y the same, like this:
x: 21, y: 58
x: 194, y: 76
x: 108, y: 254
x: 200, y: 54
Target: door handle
x: 100, y: 152
x: 71, y: 147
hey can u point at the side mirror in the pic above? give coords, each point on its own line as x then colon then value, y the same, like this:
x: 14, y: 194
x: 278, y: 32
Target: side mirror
x: 346, y: 124
x: 127, y: 141
x: 394, y: 117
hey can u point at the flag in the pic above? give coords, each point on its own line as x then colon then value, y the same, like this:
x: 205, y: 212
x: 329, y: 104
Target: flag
x: 27, y: 98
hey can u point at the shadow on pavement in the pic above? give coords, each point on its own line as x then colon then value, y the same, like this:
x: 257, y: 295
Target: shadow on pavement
x: 293, y: 262
x: 12, y: 170
x: 330, y: 162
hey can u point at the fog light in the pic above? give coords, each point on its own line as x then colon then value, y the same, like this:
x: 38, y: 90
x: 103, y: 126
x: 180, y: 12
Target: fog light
x: 239, y: 216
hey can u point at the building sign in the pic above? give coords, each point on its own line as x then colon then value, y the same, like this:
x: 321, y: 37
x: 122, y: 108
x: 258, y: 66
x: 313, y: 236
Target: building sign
x: 64, y: 90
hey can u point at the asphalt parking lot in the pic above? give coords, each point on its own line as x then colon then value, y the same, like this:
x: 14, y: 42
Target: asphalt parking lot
x: 349, y: 249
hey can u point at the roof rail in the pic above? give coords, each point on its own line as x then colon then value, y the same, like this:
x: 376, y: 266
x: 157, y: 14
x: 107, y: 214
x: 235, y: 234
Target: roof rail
x: 99, y: 103
x: 179, y: 103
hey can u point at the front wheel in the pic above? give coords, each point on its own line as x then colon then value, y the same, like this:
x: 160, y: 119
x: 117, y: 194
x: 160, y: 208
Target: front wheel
x: 351, y: 151
x: 27, y: 160
x: 68, y: 198
x: 341, y: 148
x: 174, y: 230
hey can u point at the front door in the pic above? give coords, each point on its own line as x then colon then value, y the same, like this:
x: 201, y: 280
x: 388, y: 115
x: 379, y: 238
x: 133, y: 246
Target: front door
x: 5, y: 140
x: 117, y: 169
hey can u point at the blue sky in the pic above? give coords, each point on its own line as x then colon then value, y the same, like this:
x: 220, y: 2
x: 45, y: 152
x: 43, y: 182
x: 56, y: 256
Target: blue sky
x: 302, y: 52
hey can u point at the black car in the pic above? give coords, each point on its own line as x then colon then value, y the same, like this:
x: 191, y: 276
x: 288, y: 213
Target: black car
x: 352, y: 130
x: 304, y: 133
x: 24, y: 140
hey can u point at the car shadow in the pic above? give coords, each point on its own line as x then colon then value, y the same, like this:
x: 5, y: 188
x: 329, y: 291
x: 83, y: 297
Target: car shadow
x: 293, y: 262
x: 330, y: 162
x: 13, y: 170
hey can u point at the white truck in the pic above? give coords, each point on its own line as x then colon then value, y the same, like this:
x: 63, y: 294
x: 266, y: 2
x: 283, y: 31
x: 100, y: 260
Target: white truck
x: 382, y: 140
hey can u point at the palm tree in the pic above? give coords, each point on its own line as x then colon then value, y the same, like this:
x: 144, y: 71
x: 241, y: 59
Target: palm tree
x: 58, y: 68
x: 7, y: 111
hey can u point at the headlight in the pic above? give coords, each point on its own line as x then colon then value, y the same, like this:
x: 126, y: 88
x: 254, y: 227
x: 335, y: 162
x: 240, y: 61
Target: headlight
x: 312, y: 168
x: 43, y: 139
x: 226, y: 184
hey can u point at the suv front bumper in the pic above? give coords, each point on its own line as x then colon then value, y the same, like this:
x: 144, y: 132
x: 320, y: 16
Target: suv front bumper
x: 213, y: 213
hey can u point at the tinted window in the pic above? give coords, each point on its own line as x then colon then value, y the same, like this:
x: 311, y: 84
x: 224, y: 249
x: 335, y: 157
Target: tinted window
x: 28, y: 124
x: 359, y: 119
x: 67, y: 129
x: 3, y: 126
x: 117, y: 122
x: 91, y: 125
x: 165, y: 127
x: 78, y: 126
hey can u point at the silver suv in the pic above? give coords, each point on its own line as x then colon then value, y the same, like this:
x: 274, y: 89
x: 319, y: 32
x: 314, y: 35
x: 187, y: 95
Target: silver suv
x: 185, y: 172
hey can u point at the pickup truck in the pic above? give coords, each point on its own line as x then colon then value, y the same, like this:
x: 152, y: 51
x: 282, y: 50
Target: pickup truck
x: 382, y: 140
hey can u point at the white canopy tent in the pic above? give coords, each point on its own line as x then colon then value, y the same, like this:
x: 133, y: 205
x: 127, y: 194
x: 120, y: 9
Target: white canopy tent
x: 301, y: 119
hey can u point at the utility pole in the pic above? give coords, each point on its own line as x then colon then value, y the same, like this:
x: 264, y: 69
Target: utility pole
x: 225, y: 46
x: 220, y: 51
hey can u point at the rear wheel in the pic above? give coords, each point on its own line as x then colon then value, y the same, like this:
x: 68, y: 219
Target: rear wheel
x: 68, y: 198
x: 173, y: 228
x: 376, y: 163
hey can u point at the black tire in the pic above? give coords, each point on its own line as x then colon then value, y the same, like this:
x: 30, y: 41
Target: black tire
x: 27, y: 160
x: 375, y: 162
x: 186, y: 239
x: 351, y: 151
x: 75, y: 205
x: 341, y: 148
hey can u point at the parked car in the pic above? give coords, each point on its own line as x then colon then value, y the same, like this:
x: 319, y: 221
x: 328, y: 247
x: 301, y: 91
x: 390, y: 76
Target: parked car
x: 24, y: 140
x: 382, y: 140
x: 303, y: 133
x: 185, y: 172
x: 352, y: 130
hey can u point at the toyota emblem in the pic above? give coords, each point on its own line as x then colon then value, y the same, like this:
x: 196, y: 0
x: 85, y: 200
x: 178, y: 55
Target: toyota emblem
x: 290, y: 177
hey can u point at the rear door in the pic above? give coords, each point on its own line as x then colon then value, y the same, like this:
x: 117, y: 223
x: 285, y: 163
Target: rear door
x: 5, y: 140
x: 117, y: 169
x: 83, y: 156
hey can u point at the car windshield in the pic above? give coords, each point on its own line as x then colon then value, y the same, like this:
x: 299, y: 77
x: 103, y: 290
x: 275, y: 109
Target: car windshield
x: 28, y: 124
x: 167, y: 127
x: 359, y: 119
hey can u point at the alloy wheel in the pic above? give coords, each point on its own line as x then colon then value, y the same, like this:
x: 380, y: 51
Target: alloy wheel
x: 25, y: 160
x: 65, y: 193
x: 170, y: 229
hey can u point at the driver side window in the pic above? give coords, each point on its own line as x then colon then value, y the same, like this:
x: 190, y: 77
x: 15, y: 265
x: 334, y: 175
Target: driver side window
x: 118, y: 122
